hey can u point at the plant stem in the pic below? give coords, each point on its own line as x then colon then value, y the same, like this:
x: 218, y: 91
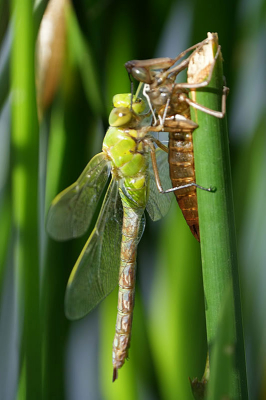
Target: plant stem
x: 217, y: 232
x: 25, y: 149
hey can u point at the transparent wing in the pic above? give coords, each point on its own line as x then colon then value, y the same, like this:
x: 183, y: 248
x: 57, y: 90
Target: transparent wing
x: 141, y: 228
x: 96, y: 271
x: 159, y: 203
x: 71, y: 211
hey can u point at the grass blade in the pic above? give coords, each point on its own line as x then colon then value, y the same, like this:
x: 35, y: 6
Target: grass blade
x: 218, y: 241
x: 25, y: 147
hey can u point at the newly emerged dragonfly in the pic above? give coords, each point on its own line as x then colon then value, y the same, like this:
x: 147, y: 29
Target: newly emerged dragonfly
x: 170, y: 105
x: 109, y: 256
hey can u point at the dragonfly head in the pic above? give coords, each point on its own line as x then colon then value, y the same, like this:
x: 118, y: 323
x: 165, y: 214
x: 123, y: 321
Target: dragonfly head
x: 124, y: 100
x: 122, y: 113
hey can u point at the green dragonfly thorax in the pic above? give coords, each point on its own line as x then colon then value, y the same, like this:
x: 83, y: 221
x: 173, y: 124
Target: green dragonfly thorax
x: 123, y: 145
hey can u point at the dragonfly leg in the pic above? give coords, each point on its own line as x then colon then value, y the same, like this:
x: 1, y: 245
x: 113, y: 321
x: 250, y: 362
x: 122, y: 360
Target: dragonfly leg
x: 157, y: 176
x: 149, y: 139
x: 195, y: 46
x: 155, y: 167
x: 217, y: 114
x: 162, y: 146
x: 210, y: 189
x: 162, y: 120
x: 145, y: 89
x: 204, y: 83
x: 181, y: 66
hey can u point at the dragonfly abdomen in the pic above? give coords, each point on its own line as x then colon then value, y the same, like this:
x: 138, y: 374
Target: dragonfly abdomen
x: 130, y: 236
x: 182, y: 172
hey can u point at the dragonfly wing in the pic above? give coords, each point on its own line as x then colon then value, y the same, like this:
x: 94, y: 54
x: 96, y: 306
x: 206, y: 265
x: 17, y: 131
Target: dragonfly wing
x: 159, y: 203
x: 71, y: 211
x: 141, y: 228
x: 96, y: 271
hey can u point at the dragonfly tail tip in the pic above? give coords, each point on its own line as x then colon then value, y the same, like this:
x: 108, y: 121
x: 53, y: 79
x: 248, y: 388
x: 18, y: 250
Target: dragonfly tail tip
x: 115, y: 374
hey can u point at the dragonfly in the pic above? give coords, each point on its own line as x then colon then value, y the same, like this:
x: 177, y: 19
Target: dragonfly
x: 170, y: 105
x: 108, y: 258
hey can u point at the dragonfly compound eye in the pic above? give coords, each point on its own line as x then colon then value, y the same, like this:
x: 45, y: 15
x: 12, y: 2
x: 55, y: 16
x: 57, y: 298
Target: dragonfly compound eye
x: 120, y: 116
x: 125, y: 100
x: 141, y: 74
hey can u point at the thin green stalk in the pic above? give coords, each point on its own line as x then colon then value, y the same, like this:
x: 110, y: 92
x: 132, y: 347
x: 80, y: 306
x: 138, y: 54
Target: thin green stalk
x: 25, y: 195
x: 218, y: 240
x: 5, y: 54
x: 54, y: 275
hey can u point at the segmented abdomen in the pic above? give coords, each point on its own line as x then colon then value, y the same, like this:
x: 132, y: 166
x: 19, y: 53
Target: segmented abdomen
x: 182, y: 171
x: 127, y: 274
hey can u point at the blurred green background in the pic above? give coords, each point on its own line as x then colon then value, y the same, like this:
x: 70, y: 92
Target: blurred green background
x: 79, y: 67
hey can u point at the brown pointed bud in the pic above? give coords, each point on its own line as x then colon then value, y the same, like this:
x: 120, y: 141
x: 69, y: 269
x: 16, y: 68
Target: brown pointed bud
x: 50, y: 52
